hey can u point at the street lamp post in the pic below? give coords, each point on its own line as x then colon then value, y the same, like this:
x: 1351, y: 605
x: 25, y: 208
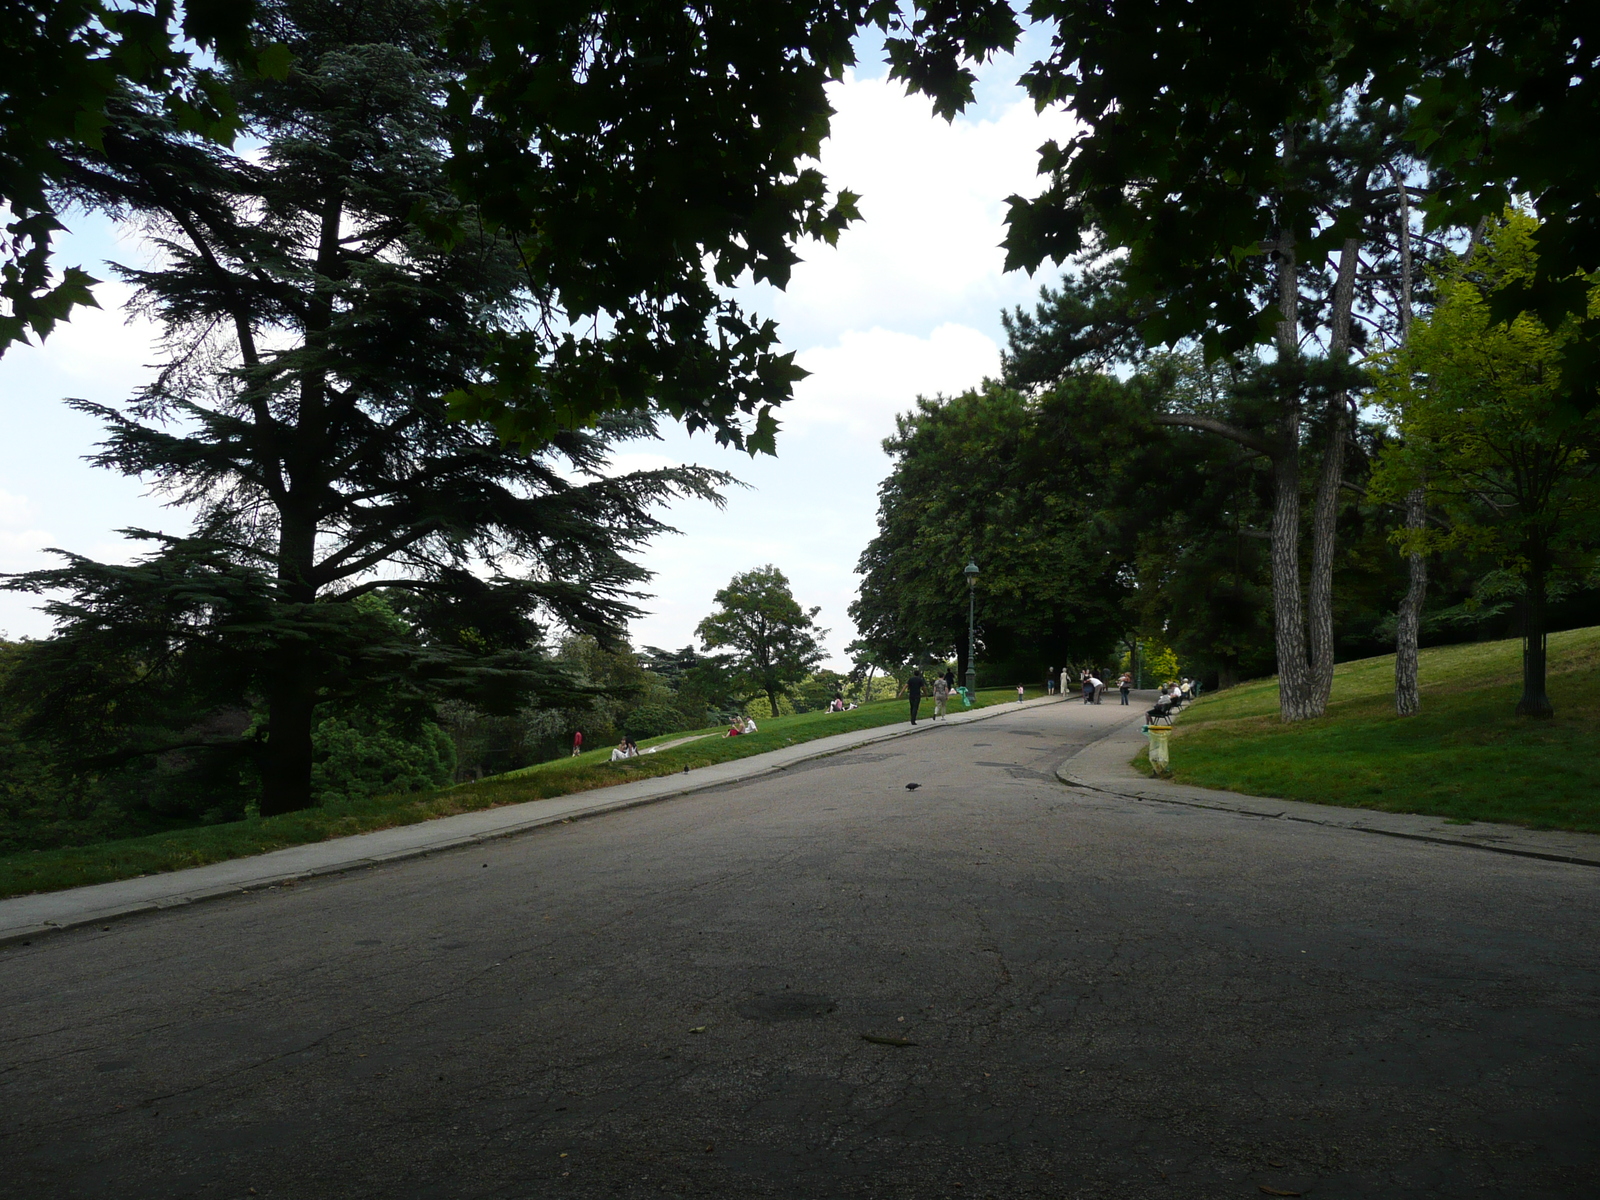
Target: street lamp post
x: 971, y: 572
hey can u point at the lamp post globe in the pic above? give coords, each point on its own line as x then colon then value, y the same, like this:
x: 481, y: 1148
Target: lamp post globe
x: 971, y: 572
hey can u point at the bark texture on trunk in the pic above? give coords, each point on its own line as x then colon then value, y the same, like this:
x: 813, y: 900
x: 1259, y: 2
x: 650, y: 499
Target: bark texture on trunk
x: 1535, y: 702
x: 1324, y: 537
x: 1407, y: 697
x: 1407, y: 693
x: 1288, y: 615
x: 1325, y: 506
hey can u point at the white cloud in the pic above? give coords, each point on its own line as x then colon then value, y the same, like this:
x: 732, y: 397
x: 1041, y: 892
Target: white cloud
x: 20, y: 538
x: 15, y: 510
x: 907, y: 304
x: 933, y: 203
x: 862, y: 381
x: 107, y: 346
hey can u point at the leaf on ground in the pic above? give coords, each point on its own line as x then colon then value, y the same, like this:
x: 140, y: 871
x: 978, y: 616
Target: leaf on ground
x: 1277, y: 1191
x: 698, y: 1029
x: 887, y: 1041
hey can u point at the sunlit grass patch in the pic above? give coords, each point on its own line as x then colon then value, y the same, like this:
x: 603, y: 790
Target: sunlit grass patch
x: 1465, y: 757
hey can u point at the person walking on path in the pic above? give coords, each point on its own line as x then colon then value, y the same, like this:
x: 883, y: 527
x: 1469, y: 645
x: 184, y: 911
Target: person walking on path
x: 914, y: 688
x: 1124, y: 685
x: 577, y: 742
x: 941, y: 696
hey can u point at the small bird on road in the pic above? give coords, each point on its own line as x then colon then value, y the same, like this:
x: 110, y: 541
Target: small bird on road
x: 911, y: 787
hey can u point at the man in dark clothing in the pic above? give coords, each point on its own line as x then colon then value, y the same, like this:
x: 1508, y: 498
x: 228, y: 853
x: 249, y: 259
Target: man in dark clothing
x: 915, y: 688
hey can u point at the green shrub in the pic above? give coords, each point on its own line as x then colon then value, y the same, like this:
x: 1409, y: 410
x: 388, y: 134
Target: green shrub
x: 354, y: 762
x: 652, y: 720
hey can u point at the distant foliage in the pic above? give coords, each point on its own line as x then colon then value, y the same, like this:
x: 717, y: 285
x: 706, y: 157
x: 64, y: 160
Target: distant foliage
x: 1158, y: 663
x: 359, y: 759
x: 652, y: 720
x: 772, y: 642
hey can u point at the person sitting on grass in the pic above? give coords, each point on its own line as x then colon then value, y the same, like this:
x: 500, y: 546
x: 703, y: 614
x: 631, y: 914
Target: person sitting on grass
x: 626, y: 748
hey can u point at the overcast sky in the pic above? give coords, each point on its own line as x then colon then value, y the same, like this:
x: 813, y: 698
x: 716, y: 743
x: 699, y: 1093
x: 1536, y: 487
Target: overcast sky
x: 908, y: 303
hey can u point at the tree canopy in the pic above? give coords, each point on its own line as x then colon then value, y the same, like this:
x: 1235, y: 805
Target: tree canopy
x: 640, y: 157
x: 773, y: 642
x: 1022, y: 487
x: 70, y: 64
x: 314, y: 331
x: 1488, y: 430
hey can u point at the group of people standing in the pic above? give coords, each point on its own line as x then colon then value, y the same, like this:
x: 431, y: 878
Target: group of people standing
x: 1093, y: 686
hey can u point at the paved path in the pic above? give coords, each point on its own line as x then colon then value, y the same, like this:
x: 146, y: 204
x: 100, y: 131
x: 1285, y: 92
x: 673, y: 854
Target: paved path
x: 26, y: 918
x: 1107, y: 998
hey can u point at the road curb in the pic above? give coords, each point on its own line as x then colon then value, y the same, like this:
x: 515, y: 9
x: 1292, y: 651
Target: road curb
x: 1118, y: 778
x: 97, y: 908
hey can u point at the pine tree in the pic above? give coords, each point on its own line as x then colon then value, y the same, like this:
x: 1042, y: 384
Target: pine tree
x: 315, y: 329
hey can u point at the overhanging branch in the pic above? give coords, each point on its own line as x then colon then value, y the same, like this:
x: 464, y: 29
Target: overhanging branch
x: 1252, y: 441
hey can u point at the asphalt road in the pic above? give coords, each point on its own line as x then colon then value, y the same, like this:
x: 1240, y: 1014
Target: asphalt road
x: 1103, y: 998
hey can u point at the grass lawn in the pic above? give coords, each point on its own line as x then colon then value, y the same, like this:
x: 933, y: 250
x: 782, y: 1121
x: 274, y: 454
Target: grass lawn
x: 1465, y: 757
x: 126, y: 858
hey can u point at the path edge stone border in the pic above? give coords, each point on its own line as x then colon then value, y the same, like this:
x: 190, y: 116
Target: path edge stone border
x: 1124, y: 782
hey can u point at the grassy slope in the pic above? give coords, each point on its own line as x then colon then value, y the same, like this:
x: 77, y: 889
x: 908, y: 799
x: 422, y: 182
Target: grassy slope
x: 51, y: 870
x: 1465, y: 757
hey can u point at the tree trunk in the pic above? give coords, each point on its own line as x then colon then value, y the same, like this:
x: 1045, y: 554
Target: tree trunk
x: 1407, y: 699
x: 1324, y: 536
x: 1288, y: 617
x: 1407, y: 694
x: 291, y: 711
x: 1534, y: 702
x: 1288, y: 613
x: 772, y: 699
x: 292, y: 693
x: 1325, y: 506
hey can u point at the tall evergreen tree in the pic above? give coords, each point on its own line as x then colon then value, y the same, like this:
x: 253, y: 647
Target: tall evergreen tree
x: 314, y: 330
